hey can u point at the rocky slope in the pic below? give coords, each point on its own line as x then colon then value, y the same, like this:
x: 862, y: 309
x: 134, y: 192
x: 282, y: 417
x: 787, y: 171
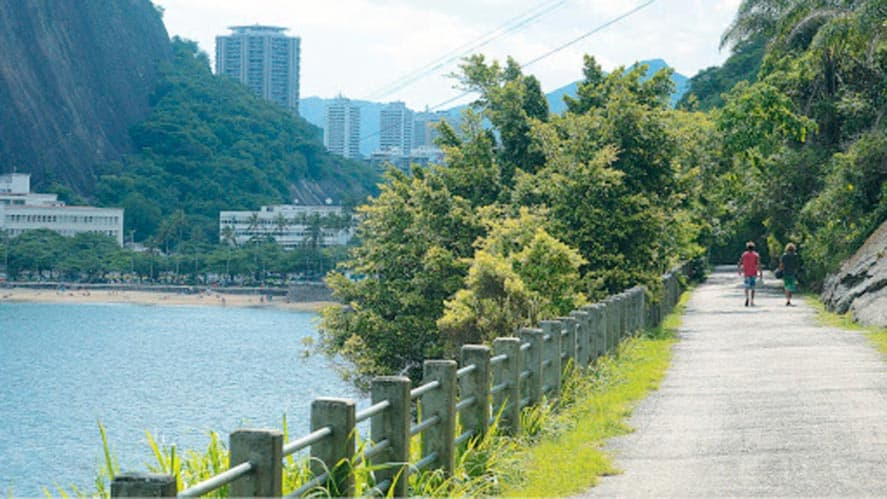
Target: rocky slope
x: 860, y: 286
x: 74, y: 76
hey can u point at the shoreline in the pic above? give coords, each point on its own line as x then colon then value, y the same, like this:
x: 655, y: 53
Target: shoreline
x: 207, y: 298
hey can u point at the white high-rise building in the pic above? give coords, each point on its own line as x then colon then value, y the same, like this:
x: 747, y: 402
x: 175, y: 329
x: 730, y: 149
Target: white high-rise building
x: 425, y: 128
x: 264, y: 59
x: 396, y: 128
x: 341, y: 132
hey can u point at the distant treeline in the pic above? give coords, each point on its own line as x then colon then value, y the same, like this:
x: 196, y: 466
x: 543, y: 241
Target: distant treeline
x: 96, y: 258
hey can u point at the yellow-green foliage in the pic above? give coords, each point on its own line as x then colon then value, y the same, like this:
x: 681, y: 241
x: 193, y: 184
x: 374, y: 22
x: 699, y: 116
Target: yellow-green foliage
x: 597, y: 404
x: 519, y: 274
x: 877, y: 335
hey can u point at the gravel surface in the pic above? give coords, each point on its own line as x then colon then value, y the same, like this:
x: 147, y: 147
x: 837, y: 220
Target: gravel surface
x: 758, y: 401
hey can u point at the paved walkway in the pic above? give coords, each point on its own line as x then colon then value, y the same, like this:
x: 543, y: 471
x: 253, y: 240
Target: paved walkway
x: 758, y: 401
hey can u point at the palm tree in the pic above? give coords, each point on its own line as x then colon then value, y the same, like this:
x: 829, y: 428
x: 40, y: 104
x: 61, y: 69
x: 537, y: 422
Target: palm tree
x: 253, y: 226
x: 281, y: 223
x: 830, y: 33
x: 229, y: 236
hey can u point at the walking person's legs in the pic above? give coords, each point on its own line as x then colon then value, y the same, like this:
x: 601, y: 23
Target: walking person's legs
x: 749, y: 285
x: 789, y: 285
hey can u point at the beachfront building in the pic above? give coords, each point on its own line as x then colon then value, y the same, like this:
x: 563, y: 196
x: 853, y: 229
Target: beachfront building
x: 288, y: 225
x: 264, y: 59
x: 21, y: 210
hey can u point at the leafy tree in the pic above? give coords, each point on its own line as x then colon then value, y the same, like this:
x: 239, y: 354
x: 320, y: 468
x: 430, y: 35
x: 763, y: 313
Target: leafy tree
x: 414, y: 239
x: 494, y: 302
x: 809, y: 126
x: 511, y: 101
x: 37, y: 251
x: 708, y: 86
x: 88, y: 256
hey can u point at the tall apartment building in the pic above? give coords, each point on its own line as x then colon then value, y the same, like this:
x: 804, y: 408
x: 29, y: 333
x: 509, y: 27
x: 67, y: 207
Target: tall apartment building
x: 396, y: 128
x: 424, y: 128
x: 341, y: 131
x: 264, y: 59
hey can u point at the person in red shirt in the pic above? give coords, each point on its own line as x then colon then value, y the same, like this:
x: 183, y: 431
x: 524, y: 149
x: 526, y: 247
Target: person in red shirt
x: 750, y: 268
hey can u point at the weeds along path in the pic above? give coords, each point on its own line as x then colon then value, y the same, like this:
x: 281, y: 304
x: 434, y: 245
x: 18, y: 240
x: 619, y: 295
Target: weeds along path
x: 759, y: 401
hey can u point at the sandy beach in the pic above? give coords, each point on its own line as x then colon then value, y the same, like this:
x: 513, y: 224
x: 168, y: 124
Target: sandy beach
x: 205, y: 298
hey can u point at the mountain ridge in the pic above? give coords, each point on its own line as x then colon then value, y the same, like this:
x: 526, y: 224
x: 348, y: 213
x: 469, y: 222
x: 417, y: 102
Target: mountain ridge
x: 74, y: 77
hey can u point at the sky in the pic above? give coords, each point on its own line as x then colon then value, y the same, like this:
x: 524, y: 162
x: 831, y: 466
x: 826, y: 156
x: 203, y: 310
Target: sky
x: 364, y: 49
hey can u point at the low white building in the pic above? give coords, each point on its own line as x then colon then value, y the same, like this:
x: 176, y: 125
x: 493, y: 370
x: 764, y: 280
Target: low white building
x: 288, y: 225
x: 22, y: 210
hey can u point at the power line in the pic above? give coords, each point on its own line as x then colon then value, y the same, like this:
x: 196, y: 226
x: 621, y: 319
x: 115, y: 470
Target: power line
x: 561, y: 47
x: 585, y: 35
x: 509, y: 26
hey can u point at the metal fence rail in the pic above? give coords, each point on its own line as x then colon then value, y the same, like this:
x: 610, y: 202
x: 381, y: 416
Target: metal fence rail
x: 494, y: 381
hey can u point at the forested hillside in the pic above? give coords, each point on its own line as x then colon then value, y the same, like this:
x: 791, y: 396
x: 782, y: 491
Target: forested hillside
x: 707, y: 87
x: 531, y: 219
x: 208, y: 145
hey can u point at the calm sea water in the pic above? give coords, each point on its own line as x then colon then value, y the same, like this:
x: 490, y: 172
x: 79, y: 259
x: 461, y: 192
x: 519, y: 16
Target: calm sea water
x: 177, y: 372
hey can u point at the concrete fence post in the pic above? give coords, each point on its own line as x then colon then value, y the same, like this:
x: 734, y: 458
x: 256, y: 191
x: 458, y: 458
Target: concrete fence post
x: 476, y: 384
x: 596, y: 341
x: 633, y: 310
x: 619, y: 310
x: 608, y: 316
x: 143, y: 485
x: 583, y: 338
x: 568, y: 339
x: 604, y: 327
x: 393, y: 425
x: 507, y: 402
x: 533, y: 336
x: 623, y: 316
x: 439, y: 439
x: 335, y: 453
x: 551, y: 355
x: 264, y: 449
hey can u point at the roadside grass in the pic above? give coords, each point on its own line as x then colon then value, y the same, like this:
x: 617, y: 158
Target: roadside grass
x: 572, y: 443
x: 877, y: 335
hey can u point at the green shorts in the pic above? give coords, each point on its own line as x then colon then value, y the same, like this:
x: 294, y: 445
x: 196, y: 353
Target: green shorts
x: 789, y: 283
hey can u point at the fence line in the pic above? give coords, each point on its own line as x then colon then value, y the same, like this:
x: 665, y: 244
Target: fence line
x: 499, y: 380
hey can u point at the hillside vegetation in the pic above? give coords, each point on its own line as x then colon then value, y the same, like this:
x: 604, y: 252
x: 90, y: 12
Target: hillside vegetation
x: 208, y: 145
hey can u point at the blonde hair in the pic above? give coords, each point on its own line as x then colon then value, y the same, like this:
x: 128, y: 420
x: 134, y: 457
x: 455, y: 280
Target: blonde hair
x: 790, y: 248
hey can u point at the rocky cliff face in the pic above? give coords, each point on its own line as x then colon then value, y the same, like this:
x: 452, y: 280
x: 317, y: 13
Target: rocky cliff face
x: 860, y: 286
x: 74, y: 76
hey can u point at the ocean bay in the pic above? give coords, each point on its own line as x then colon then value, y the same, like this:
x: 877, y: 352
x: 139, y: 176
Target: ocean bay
x: 177, y: 372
